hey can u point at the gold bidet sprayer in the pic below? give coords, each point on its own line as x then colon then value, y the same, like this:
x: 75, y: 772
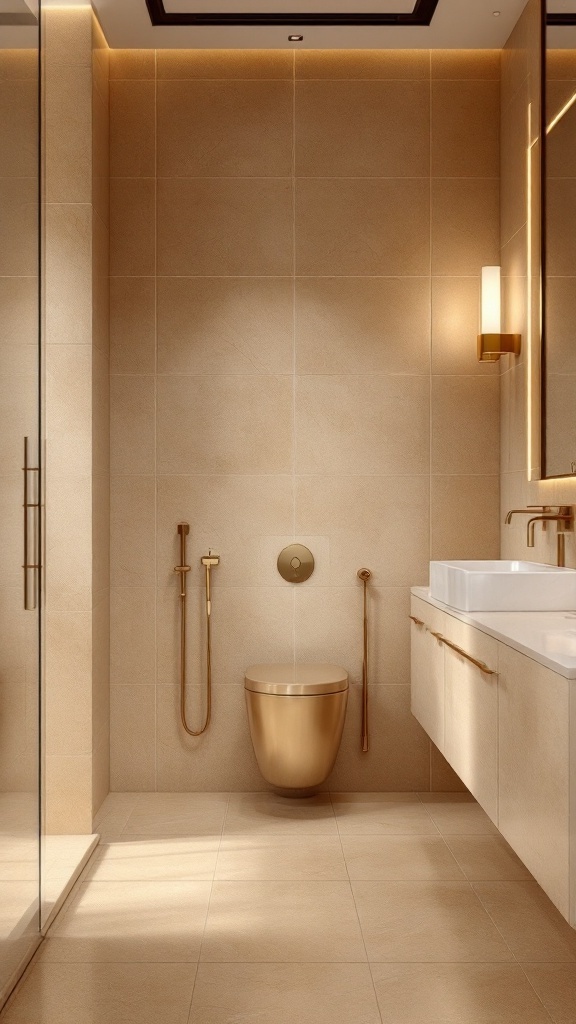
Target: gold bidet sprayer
x: 209, y: 561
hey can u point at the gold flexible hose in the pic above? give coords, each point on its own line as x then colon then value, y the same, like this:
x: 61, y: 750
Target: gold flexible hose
x: 364, y: 575
x: 183, y: 569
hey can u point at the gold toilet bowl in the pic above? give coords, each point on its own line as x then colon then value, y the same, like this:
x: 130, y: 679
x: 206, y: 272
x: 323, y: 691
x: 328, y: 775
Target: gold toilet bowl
x: 296, y: 715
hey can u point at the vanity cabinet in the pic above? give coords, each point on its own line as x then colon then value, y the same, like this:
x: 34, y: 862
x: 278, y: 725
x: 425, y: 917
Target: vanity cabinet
x: 507, y: 726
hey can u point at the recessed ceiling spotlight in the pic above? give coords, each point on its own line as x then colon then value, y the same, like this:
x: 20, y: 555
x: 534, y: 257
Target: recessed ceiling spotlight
x: 496, y: 14
x: 295, y: 39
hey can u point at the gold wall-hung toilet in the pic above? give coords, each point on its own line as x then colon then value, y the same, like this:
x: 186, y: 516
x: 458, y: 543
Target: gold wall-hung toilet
x: 296, y: 715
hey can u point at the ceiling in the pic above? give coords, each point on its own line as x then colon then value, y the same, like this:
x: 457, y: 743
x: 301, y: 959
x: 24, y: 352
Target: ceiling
x: 456, y: 24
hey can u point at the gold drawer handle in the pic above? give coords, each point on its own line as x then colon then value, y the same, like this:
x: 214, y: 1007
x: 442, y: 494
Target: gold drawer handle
x: 417, y: 621
x: 454, y: 647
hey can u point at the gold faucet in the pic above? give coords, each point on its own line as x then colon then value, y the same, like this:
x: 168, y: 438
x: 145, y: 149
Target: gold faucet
x: 562, y: 515
x: 525, y: 511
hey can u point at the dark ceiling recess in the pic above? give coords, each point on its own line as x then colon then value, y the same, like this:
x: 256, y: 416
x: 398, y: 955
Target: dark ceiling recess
x: 561, y: 19
x: 422, y: 14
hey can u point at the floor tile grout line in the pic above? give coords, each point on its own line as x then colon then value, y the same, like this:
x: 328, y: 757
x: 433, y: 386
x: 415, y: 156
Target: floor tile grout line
x: 365, y: 949
x: 536, y: 993
x: 489, y: 915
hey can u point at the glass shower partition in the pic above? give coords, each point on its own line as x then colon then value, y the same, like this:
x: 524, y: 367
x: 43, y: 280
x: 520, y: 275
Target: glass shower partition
x: 20, y: 486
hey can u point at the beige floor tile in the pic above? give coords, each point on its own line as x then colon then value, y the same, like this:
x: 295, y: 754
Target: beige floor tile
x: 177, y: 814
x: 143, y: 858
x: 399, y: 858
x: 302, y: 858
x: 487, y: 858
x: 294, y: 922
x: 268, y: 814
x: 455, y: 994
x: 381, y: 814
x: 114, y: 813
x: 104, y: 994
x: 555, y: 984
x: 529, y: 922
x: 119, y: 922
x: 443, y: 922
x: 284, y: 994
x: 457, y: 814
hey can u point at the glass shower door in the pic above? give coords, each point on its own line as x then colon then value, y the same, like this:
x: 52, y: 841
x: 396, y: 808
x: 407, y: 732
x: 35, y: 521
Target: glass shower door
x: 19, y: 486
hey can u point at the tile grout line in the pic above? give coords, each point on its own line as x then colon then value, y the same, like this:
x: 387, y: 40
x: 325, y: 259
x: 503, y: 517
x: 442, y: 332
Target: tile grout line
x: 535, y: 991
x: 224, y: 816
x: 368, y: 964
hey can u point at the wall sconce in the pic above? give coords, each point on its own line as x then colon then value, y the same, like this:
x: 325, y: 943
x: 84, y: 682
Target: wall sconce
x: 491, y: 342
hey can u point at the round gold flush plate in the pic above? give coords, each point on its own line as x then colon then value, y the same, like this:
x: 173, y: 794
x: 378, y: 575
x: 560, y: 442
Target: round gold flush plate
x: 296, y: 563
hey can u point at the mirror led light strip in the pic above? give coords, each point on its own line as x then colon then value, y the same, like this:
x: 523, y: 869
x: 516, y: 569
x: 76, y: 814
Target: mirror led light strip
x: 422, y: 14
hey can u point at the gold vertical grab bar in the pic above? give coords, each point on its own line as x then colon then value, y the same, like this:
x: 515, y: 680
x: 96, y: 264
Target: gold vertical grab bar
x: 364, y: 575
x: 183, y: 569
x: 30, y: 565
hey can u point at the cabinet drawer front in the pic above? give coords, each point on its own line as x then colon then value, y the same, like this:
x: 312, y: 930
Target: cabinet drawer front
x: 427, y: 670
x: 471, y: 712
x: 534, y: 769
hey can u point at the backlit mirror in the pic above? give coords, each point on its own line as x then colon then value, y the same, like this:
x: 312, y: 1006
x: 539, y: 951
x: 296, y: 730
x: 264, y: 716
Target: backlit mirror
x: 559, y: 233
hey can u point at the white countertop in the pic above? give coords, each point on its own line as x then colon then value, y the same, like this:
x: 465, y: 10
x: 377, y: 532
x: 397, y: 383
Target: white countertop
x: 546, y: 637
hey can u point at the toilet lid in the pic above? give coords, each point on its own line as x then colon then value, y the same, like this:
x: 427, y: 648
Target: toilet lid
x: 296, y: 680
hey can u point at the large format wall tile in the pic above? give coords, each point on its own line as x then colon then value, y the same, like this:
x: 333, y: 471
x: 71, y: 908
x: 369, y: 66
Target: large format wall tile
x: 222, y: 424
x: 465, y: 129
x: 364, y: 227
x: 225, y: 325
x: 363, y: 64
x: 223, y: 129
x: 363, y: 325
x: 133, y: 738
x: 211, y: 65
x: 211, y: 226
x: 133, y: 640
x: 132, y: 427
x: 465, y: 228
x: 68, y: 127
x: 387, y: 129
x: 463, y: 520
x: 220, y: 760
x: 132, y: 232
x: 465, y: 425
x: 19, y: 128
x: 132, y: 325
x: 359, y: 425
x: 132, y: 129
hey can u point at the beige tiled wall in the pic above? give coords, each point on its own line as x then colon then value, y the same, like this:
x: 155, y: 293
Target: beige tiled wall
x: 295, y: 253
x: 19, y: 303
x: 77, y: 420
x: 520, y: 379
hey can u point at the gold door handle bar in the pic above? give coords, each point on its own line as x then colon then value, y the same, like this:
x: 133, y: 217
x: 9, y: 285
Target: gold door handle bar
x: 464, y: 654
x: 417, y: 621
x: 31, y: 564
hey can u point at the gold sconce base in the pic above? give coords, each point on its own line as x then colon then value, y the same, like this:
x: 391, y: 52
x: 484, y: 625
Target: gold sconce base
x: 492, y: 346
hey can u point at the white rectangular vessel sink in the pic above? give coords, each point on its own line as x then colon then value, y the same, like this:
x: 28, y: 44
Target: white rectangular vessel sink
x: 503, y: 586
